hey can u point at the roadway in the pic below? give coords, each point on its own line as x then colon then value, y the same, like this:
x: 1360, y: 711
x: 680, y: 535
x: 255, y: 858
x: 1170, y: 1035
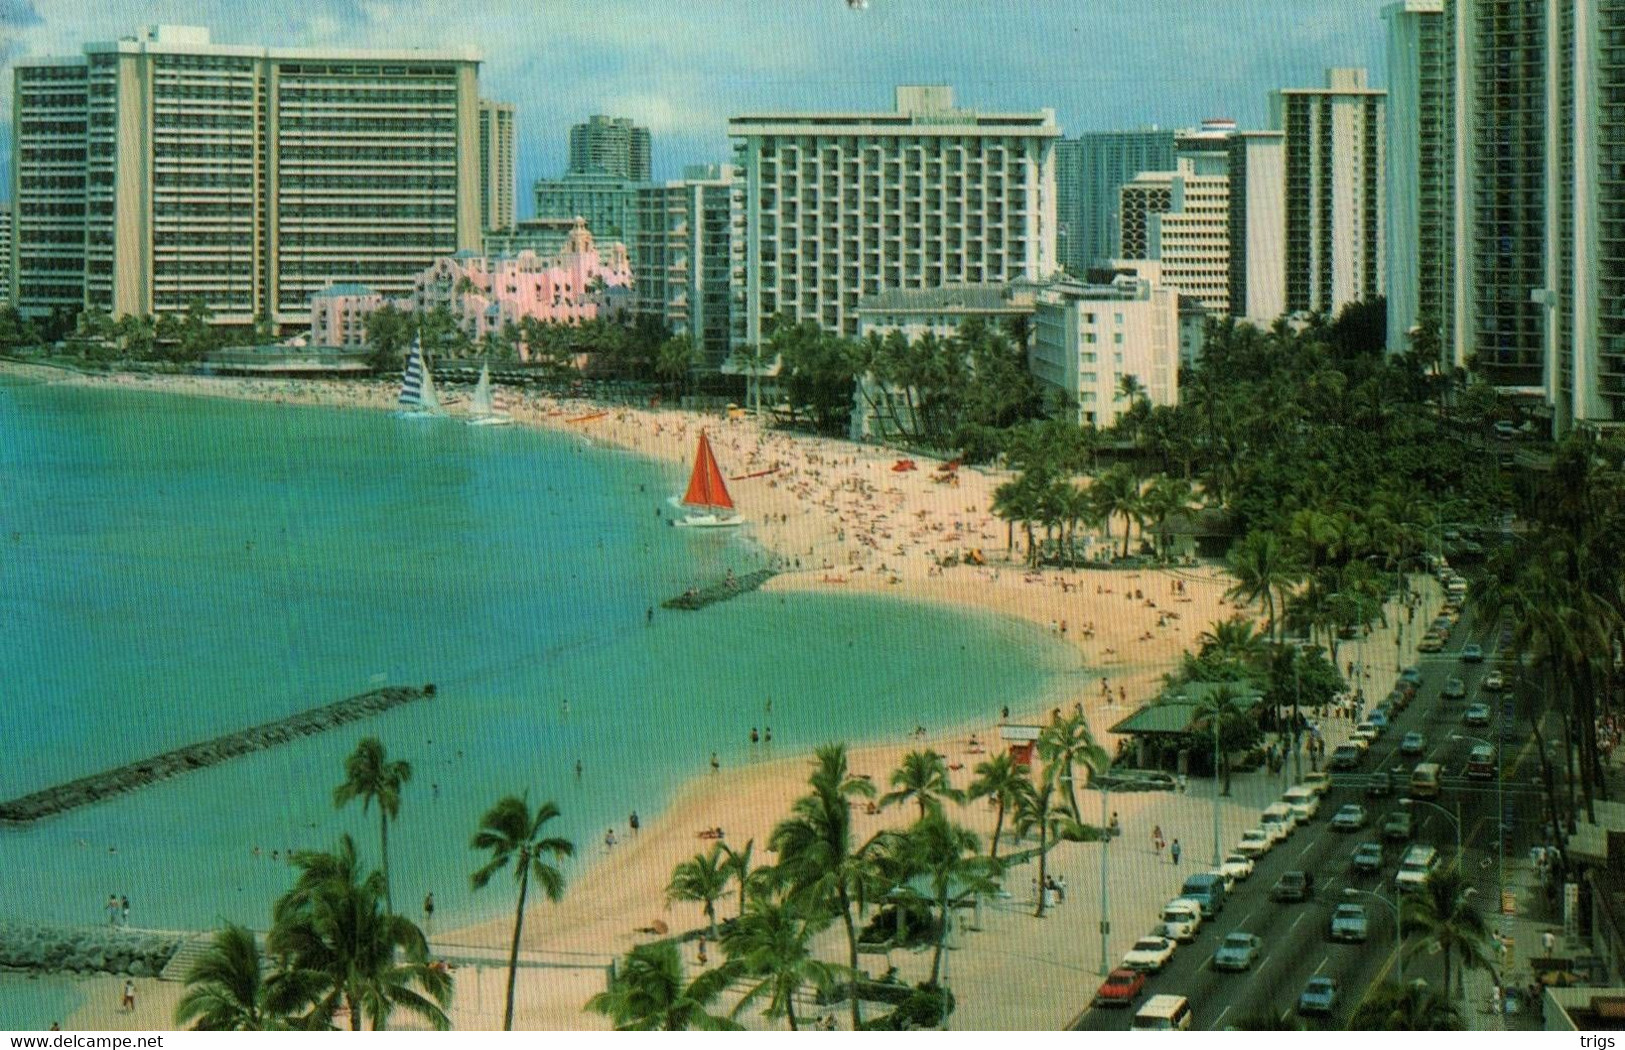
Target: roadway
x: 1295, y: 944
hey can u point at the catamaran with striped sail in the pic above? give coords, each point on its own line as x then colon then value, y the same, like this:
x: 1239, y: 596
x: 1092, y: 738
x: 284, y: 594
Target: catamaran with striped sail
x: 707, y: 497
x: 418, y: 399
x: 489, y: 409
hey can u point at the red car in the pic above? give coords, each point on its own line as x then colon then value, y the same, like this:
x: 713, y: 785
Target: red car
x: 1121, y: 988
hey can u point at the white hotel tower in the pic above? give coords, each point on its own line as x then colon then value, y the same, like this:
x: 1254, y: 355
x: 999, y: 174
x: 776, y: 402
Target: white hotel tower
x: 837, y: 206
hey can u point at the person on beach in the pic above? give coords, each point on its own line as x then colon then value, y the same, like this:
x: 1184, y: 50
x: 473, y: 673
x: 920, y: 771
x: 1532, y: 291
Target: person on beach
x: 127, y: 1004
x: 632, y: 822
x: 1156, y: 840
x: 715, y: 765
x: 754, y: 736
x: 609, y: 838
x: 1173, y: 852
x: 124, y: 910
x: 767, y: 734
x: 112, y: 909
x: 578, y: 769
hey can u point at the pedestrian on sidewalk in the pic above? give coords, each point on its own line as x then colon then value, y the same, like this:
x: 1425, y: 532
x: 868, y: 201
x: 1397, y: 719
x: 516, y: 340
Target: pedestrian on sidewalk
x: 1548, y: 943
x: 1156, y: 840
x: 1173, y: 851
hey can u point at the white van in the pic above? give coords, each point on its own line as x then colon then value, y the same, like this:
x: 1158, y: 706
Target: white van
x: 1163, y: 1013
x: 1279, y: 820
x: 1181, y: 918
x: 1418, y: 864
x: 1303, y: 801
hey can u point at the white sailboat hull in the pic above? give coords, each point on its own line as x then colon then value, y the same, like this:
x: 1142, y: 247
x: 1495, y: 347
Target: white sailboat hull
x: 706, y: 521
x: 490, y: 421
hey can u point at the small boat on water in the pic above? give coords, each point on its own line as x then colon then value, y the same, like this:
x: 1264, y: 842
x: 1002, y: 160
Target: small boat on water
x: 418, y: 399
x: 707, y: 497
x: 488, y: 407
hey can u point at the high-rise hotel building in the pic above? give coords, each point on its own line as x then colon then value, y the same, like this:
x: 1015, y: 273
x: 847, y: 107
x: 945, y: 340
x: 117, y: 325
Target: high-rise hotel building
x: 1089, y: 170
x: 837, y: 206
x: 496, y: 165
x: 158, y: 170
x: 1335, y: 198
x: 1418, y: 168
x: 610, y: 146
x: 1181, y: 219
x: 1536, y: 297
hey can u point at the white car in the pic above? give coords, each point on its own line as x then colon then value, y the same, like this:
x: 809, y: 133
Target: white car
x: 1304, y: 802
x: 1494, y: 682
x: 1360, y: 743
x: 1181, y: 919
x: 1319, y: 782
x: 1255, y: 842
x: 1365, y: 734
x: 1237, y: 866
x: 1149, y: 954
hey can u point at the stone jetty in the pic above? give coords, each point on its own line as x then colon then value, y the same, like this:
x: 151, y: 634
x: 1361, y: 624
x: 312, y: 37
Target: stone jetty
x: 85, y: 949
x: 699, y: 597
x: 126, y: 778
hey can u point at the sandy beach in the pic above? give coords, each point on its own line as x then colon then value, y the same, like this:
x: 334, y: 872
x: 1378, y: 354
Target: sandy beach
x: 837, y: 517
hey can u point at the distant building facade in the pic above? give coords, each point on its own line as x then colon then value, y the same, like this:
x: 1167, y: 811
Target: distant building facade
x: 537, y: 236
x: 1181, y: 219
x: 583, y: 282
x: 1335, y: 191
x: 683, y: 258
x: 1089, y: 171
x: 5, y: 253
x: 609, y: 203
x: 162, y: 169
x: 1087, y: 337
x: 611, y: 146
x: 838, y: 206
x: 1418, y: 167
x: 338, y: 315
x: 496, y: 165
x: 1258, y: 226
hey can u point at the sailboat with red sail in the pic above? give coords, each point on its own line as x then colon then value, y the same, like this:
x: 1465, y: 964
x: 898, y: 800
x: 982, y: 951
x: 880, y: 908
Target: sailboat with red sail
x: 707, y: 499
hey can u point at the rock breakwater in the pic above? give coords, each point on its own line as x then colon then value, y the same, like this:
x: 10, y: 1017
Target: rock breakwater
x: 138, y: 953
x: 86, y: 790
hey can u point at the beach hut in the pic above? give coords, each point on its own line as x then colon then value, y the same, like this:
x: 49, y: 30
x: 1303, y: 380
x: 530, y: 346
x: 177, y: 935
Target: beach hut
x: 1167, y: 725
x: 1022, y: 740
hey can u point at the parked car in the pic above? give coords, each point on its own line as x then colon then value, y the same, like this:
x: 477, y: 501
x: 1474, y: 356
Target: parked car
x: 1379, y: 785
x: 1378, y: 719
x: 1255, y: 842
x: 1454, y: 689
x: 1476, y: 715
x: 1319, y: 782
x: 1237, y: 951
x: 1181, y: 919
x: 1293, y: 886
x: 1304, y: 802
x: 1413, y: 743
x: 1396, y: 826
x: 1350, y: 818
x: 1345, y: 756
x: 1319, y: 996
x: 1412, y: 674
x: 1430, y: 643
x: 1367, y: 858
x: 1348, y: 923
x: 1494, y: 682
x: 1237, y: 866
x: 1121, y: 987
x: 1472, y: 653
x: 1149, y: 954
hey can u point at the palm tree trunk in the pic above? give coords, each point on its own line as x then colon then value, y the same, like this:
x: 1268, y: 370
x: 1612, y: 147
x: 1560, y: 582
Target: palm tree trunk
x: 998, y: 826
x: 942, y: 942
x: 355, y: 1012
x: 383, y: 837
x: 851, y: 954
x: 790, y: 1012
x: 711, y: 914
x: 513, y: 950
x: 1072, y: 795
x: 1043, y: 868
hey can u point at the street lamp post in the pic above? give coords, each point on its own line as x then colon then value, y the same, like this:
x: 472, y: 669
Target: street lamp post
x: 1455, y: 820
x: 1218, y: 858
x: 1393, y: 906
x: 1105, y: 911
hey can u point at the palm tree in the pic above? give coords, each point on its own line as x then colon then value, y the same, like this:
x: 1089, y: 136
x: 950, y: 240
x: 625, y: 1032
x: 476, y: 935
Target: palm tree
x: 332, y: 933
x: 737, y: 864
x: 649, y: 994
x: 1263, y: 569
x: 1221, y: 705
x: 999, y: 779
x: 513, y: 834
x: 704, y: 878
x: 1063, y: 745
x: 819, y: 863
x: 773, y: 942
x: 1117, y: 492
x: 229, y: 991
x: 1236, y: 639
x: 371, y: 777
x: 1444, y: 914
x: 1036, y: 810
x: 1167, y: 497
x: 923, y: 777
x: 948, y: 857
x: 1412, y: 1007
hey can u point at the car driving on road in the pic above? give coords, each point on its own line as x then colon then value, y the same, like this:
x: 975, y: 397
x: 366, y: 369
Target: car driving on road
x: 1472, y: 653
x: 1348, y: 923
x: 1413, y: 743
x: 1368, y: 858
x: 1350, y: 818
x: 1346, y: 756
x: 1494, y: 682
x: 1293, y: 887
x: 1476, y: 715
x: 1396, y: 826
x: 1237, y: 951
x: 1319, y: 996
x: 1149, y: 954
x: 1454, y: 689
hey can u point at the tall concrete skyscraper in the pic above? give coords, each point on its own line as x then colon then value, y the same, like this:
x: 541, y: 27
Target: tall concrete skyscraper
x: 1180, y: 219
x: 1335, y: 198
x: 1089, y: 170
x: 163, y: 169
x: 496, y: 165
x: 1539, y: 201
x: 684, y: 258
x: 837, y: 206
x: 1418, y: 167
x: 610, y: 146
x: 1258, y: 226
x: 5, y: 253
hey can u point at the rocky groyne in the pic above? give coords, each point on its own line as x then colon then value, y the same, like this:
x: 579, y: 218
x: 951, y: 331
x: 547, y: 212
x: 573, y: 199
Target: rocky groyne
x: 86, y: 790
x: 138, y: 953
x: 696, y: 598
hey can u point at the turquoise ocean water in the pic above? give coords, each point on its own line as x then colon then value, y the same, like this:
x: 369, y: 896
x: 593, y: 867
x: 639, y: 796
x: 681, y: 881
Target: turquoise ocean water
x: 175, y: 568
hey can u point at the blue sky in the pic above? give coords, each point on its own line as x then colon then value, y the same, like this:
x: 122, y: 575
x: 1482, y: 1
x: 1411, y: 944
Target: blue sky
x: 682, y: 67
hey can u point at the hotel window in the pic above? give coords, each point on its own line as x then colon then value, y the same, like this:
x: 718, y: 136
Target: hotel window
x: 1117, y: 337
